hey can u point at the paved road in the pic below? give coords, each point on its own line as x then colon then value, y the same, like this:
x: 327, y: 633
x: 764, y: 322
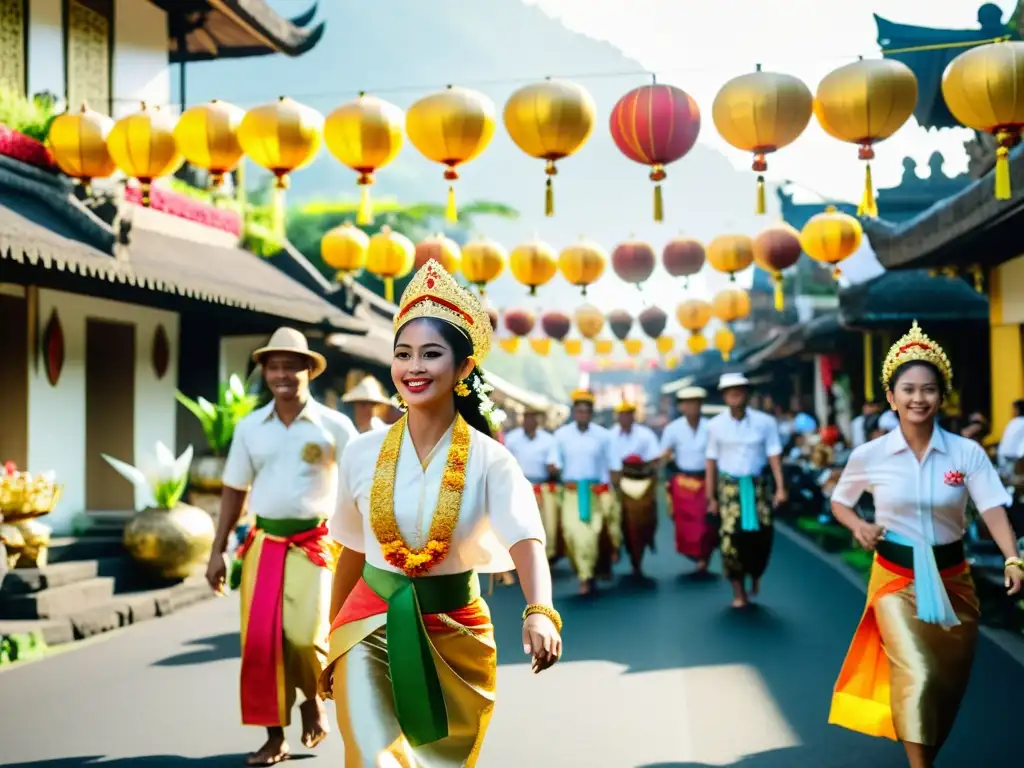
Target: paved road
x: 665, y: 677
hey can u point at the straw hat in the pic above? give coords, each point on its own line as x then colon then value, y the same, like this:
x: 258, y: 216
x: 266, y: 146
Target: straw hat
x: 368, y: 390
x: 691, y: 393
x: 292, y: 341
x: 730, y: 380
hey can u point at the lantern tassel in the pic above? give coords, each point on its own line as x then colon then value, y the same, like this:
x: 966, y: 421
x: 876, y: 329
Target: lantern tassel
x: 549, y: 198
x: 780, y: 301
x: 868, y: 207
x: 1002, y: 173
x: 144, y: 187
x: 389, y: 290
x: 761, y: 207
x: 659, y: 204
x: 451, y: 211
x: 364, y: 216
x: 725, y: 357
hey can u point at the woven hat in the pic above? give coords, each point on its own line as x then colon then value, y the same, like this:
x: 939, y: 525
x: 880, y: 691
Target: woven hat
x: 691, y: 393
x: 368, y: 390
x: 292, y: 341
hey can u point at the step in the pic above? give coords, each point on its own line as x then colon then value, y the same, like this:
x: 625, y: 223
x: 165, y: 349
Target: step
x: 62, y: 549
x: 58, y: 602
x: 54, y: 631
x: 24, y: 580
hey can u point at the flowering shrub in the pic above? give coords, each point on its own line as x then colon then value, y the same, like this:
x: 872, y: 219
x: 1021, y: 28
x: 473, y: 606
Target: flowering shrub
x: 175, y: 204
x: 18, y: 146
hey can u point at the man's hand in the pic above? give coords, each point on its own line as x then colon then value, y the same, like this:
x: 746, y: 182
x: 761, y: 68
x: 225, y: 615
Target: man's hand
x: 216, y: 572
x: 781, y: 497
x: 713, y: 507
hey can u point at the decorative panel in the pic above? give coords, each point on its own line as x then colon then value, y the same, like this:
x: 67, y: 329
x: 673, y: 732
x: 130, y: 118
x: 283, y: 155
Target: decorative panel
x: 12, y: 45
x: 161, y: 352
x: 90, y: 25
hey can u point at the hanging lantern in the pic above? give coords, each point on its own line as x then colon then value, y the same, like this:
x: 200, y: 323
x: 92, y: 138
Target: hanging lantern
x: 671, y: 362
x: 509, y: 344
x: 984, y: 89
x: 541, y: 345
x: 533, y: 264
x: 390, y: 257
x: 573, y: 347
x: 620, y: 323
x: 697, y: 343
x: 589, y: 321
x: 483, y: 261
x: 633, y: 261
x: 653, y: 321
x: 725, y: 342
x: 831, y: 237
x: 760, y: 113
x: 655, y: 125
x: 864, y: 103
x: 730, y: 254
x: 731, y: 304
x: 520, y: 322
x: 345, y: 249
x: 583, y: 263
x: 775, y: 249
x: 683, y: 257
x: 281, y: 137
x: 142, y: 146
x: 665, y: 345
x: 207, y: 136
x: 78, y: 141
x: 451, y: 128
x: 633, y: 346
x: 556, y: 324
x: 694, y: 315
x: 549, y: 121
x: 604, y: 346
x: 441, y: 249
x: 364, y: 135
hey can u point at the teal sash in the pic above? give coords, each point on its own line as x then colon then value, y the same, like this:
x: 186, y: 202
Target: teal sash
x: 583, y: 499
x: 749, y: 520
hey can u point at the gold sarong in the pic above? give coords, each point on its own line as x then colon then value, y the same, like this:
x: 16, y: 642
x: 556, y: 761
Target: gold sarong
x: 583, y: 531
x: 549, y: 501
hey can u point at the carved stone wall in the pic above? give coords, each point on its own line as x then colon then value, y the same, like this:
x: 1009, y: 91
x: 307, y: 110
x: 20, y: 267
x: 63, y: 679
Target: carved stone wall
x: 90, y: 27
x: 12, y: 45
x: 981, y: 154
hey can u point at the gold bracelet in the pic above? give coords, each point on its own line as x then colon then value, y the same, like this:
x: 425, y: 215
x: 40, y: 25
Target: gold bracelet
x: 1013, y: 562
x: 544, y: 610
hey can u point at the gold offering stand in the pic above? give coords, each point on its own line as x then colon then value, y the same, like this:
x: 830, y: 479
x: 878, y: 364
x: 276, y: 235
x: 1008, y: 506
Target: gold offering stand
x: 24, y: 498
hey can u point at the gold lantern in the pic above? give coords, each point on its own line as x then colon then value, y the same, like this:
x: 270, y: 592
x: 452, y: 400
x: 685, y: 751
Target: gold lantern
x: 390, y: 257
x: 760, y: 113
x: 345, y: 249
x: 604, y: 346
x: 697, y: 343
x: 142, y: 146
x: 78, y: 141
x: 483, y: 261
x: 583, y: 263
x: 984, y: 90
x: 441, y: 249
x: 731, y: 304
x: 451, y: 128
x: 364, y: 135
x: 730, y: 254
x: 573, y: 347
x: 864, y: 103
x: 281, y: 137
x: 589, y: 321
x: 831, y: 237
x: 633, y: 346
x: 533, y: 264
x: 509, y: 344
x: 694, y: 315
x: 541, y: 345
x: 725, y: 342
x: 664, y: 344
x: 549, y: 121
x: 207, y: 136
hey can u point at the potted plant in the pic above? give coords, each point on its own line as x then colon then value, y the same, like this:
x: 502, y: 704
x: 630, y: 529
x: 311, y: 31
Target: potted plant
x: 167, y: 538
x: 218, y: 421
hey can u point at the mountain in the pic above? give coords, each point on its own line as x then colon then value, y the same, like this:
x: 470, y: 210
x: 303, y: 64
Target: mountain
x: 402, y: 50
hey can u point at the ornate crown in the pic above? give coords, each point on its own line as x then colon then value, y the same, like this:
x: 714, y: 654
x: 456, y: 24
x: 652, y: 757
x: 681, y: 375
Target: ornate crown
x: 582, y: 396
x: 916, y: 345
x: 435, y: 293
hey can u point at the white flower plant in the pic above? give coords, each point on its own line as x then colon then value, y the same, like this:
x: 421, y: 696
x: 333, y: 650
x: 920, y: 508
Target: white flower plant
x: 160, y: 479
x: 488, y: 408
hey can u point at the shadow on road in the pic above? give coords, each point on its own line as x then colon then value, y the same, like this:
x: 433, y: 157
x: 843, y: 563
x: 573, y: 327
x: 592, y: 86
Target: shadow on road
x: 144, y: 761
x: 205, y: 650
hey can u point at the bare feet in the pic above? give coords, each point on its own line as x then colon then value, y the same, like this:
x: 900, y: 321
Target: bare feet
x: 314, y: 722
x: 274, y: 751
x: 702, y: 566
x: 739, y: 602
x: 587, y: 587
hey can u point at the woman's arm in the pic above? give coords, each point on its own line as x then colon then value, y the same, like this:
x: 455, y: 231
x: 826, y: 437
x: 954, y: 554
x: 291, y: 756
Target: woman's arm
x: 534, y: 573
x: 346, y: 574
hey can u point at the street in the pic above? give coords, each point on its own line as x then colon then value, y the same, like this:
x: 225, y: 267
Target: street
x: 663, y: 677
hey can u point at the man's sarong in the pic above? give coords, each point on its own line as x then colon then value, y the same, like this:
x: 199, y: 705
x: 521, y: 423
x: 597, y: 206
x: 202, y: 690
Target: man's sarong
x: 745, y: 532
x: 696, y: 534
x: 904, y: 678
x: 412, y: 669
x: 639, y: 512
x: 285, y: 588
x: 589, y: 524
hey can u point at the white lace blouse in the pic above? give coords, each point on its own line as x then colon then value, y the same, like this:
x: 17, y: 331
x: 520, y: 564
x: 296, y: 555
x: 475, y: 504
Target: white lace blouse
x: 498, y: 507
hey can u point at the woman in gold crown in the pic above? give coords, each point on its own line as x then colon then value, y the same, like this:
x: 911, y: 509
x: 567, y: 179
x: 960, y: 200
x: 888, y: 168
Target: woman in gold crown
x: 908, y: 666
x: 422, y: 508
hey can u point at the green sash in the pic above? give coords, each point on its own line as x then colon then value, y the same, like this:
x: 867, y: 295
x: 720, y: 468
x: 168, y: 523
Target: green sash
x: 419, y: 699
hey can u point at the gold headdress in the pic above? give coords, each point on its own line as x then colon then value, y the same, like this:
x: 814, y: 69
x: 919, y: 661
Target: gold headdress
x: 916, y: 345
x: 582, y: 396
x: 435, y: 293
x: 625, y: 407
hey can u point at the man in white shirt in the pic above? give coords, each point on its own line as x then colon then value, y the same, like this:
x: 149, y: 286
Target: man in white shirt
x: 283, y: 464
x: 531, y: 446
x: 635, y: 448
x: 368, y: 401
x: 1011, y: 446
x: 742, y: 444
x: 858, y: 431
x: 684, y: 445
x: 582, y: 455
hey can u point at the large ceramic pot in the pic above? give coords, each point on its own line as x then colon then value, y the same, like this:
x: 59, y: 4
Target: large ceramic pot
x: 170, y: 543
x: 205, y: 475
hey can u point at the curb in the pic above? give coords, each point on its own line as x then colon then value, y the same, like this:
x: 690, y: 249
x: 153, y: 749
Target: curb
x: 1010, y: 642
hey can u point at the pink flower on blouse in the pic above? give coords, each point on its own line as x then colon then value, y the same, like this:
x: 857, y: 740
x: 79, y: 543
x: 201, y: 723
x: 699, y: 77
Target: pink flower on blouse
x: 952, y: 477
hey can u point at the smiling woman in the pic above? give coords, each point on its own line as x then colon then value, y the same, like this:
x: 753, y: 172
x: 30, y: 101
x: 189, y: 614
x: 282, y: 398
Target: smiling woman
x: 406, y: 591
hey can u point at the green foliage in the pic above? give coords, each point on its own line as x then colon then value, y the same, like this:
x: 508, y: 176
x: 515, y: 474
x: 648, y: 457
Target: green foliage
x: 31, y: 117
x: 21, y: 647
x: 219, y: 420
x: 168, y: 492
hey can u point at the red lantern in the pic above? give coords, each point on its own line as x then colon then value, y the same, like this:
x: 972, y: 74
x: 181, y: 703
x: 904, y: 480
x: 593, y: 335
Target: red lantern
x: 520, y: 322
x: 556, y: 324
x: 620, y: 322
x: 655, y: 125
x: 775, y: 249
x: 653, y: 321
x: 492, y: 313
x: 633, y: 261
x: 830, y: 435
x: 683, y: 257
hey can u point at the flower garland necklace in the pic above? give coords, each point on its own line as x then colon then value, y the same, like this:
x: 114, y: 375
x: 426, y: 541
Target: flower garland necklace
x: 416, y: 562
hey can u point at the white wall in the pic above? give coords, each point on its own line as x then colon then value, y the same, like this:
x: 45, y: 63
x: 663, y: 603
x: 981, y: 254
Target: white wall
x: 235, y: 352
x: 57, y: 414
